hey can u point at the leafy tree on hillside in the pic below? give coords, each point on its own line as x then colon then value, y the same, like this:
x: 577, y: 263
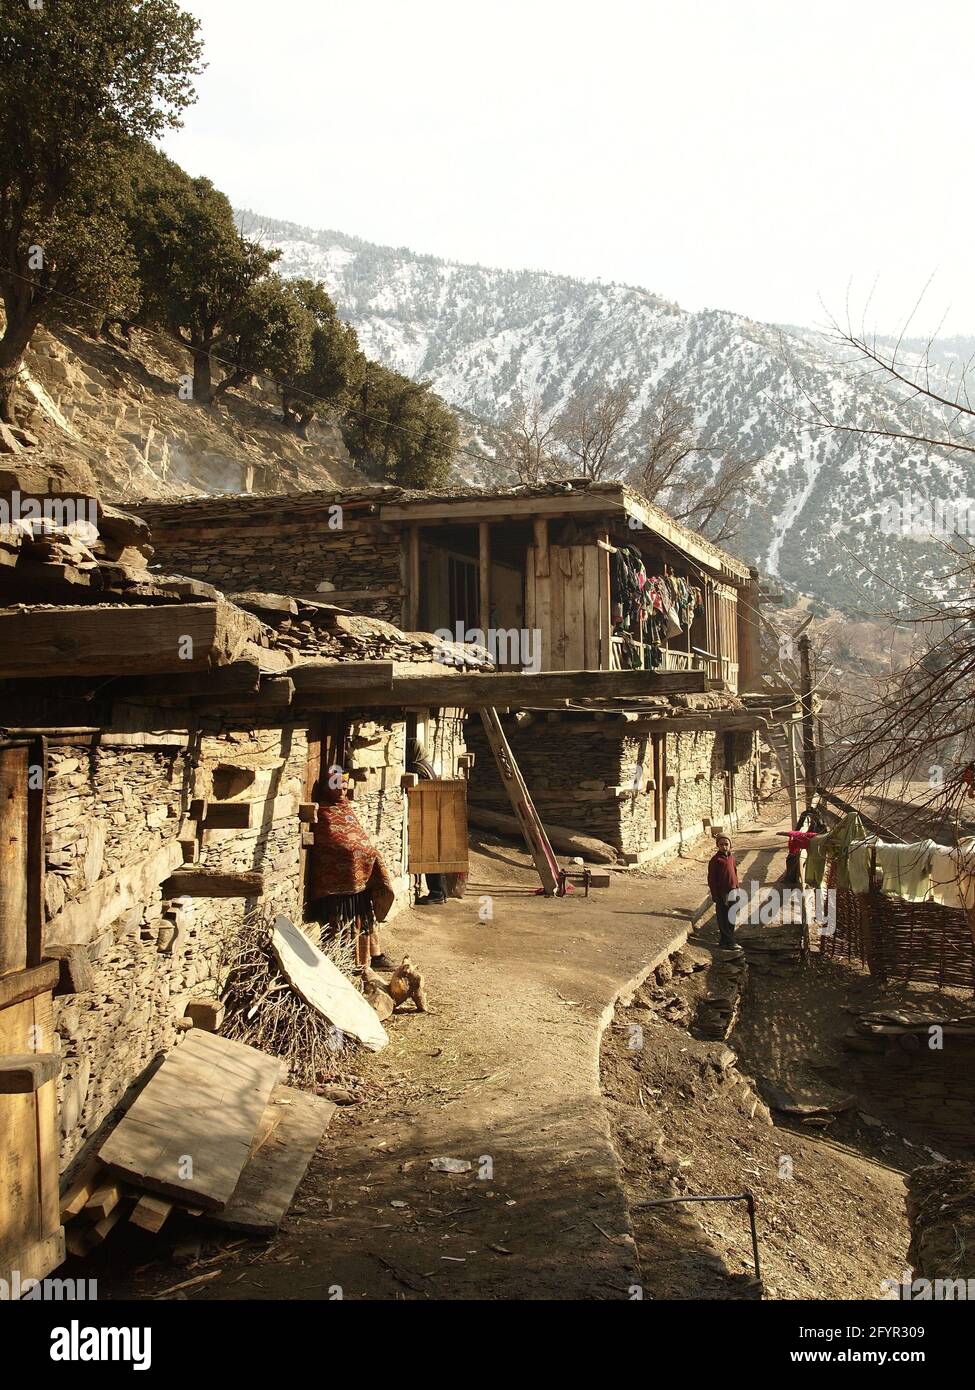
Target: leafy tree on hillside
x: 77, y: 83
x: 197, y: 272
x: 336, y: 364
x: 271, y: 335
x: 400, y: 428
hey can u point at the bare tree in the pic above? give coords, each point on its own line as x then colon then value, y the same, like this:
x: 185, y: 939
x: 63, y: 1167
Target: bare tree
x: 590, y: 431
x: 694, y: 479
x: 528, y: 440
x: 915, y: 736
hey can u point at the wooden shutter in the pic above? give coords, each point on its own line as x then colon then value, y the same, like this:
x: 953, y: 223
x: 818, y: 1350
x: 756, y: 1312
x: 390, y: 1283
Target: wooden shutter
x: 438, y: 828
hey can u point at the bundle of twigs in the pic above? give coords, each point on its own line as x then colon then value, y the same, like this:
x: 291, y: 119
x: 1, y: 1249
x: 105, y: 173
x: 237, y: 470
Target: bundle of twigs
x: 264, y: 1010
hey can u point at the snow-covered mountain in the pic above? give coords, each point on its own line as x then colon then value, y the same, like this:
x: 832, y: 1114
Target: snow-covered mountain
x: 482, y: 336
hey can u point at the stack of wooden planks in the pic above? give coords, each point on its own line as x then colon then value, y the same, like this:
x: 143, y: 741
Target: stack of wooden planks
x: 214, y: 1133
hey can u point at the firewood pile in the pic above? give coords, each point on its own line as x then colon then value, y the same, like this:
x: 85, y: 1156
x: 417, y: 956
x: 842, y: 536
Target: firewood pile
x: 265, y: 1011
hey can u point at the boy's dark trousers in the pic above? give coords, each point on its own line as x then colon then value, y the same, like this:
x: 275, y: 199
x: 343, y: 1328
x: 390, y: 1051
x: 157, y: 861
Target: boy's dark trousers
x: 726, y: 927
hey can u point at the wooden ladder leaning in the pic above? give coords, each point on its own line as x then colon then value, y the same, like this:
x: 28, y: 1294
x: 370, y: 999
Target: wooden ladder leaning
x: 521, y: 803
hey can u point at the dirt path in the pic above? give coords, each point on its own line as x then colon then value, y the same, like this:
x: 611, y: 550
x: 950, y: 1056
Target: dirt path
x: 503, y: 1074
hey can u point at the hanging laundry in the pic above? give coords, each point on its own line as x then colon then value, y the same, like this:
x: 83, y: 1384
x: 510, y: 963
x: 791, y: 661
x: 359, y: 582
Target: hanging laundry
x: 906, y: 870
x: 833, y: 846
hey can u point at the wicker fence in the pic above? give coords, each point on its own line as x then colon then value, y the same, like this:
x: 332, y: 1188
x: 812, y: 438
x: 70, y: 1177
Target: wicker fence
x: 897, y: 940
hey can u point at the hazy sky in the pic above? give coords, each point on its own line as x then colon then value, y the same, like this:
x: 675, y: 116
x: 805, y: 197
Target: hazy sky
x: 757, y: 155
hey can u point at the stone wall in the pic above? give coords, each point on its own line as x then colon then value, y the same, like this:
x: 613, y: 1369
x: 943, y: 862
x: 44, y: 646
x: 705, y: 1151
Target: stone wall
x: 315, y: 548
x: 927, y: 1093
x: 589, y: 781
x: 113, y: 816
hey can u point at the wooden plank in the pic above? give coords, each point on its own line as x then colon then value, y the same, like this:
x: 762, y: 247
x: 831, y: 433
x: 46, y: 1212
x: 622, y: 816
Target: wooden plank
x: 322, y: 985
x: 129, y: 639
x: 574, y: 608
x: 36, y: 860
x: 14, y: 774
x: 20, y: 1223
x: 76, y: 1196
x: 150, y: 1213
x: 188, y: 1133
x: 23, y: 1073
x: 104, y: 1199
x: 36, y: 1260
x: 24, y: 984
x: 271, y: 1176
x: 210, y: 883
x: 413, y: 579
x: 590, y: 604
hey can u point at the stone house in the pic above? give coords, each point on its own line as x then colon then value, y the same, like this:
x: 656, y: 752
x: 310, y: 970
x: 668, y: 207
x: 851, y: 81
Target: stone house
x: 538, y: 575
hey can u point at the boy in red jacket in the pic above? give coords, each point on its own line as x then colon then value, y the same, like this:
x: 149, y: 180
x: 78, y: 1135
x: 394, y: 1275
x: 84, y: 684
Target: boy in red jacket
x: 722, y: 882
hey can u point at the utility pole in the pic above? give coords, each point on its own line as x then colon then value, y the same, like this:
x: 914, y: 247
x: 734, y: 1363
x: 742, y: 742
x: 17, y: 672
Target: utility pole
x: 808, y: 727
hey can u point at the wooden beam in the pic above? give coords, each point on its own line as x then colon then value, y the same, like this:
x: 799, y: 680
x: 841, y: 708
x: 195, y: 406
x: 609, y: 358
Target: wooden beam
x: 518, y: 689
x: 230, y: 815
x: 461, y: 509
x: 240, y: 678
x: 87, y: 916
x: 210, y: 883
x: 23, y: 1073
x: 326, y: 677
x: 25, y: 984
x: 540, y: 528
x: 124, y: 640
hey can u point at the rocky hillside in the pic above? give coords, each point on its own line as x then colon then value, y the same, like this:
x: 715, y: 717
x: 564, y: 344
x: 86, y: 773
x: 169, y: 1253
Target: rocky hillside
x: 481, y: 335
x: 108, y: 418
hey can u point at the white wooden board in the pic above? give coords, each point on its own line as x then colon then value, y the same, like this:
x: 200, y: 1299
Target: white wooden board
x: 322, y: 985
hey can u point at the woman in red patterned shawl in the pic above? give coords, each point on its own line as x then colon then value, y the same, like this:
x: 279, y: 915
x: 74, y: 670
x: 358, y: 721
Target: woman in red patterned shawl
x: 349, y: 883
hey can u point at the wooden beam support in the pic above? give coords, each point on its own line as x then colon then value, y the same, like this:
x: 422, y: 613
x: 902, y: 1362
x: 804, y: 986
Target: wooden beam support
x: 413, y: 579
x: 25, y: 984
x: 127, y: 639
x: 519, y: 689
x: 327, y: 677
x: 23, y: 1073
x: 448, y: 510
x: 209, y: 883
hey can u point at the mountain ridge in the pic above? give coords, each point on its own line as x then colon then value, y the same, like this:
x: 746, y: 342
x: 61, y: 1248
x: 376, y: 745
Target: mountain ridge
x: 482, y: 335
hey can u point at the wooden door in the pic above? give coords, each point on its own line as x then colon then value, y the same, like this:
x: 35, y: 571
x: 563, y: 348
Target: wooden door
x: 437, y: 828
x: 564, y: 593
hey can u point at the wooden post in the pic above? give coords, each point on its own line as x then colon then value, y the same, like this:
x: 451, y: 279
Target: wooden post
x: 749, y: 634
x: 484, y: 573
x: 540, y: 528
x: 413, y: 579
x: 14, y: 767
x: 808, y: 730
